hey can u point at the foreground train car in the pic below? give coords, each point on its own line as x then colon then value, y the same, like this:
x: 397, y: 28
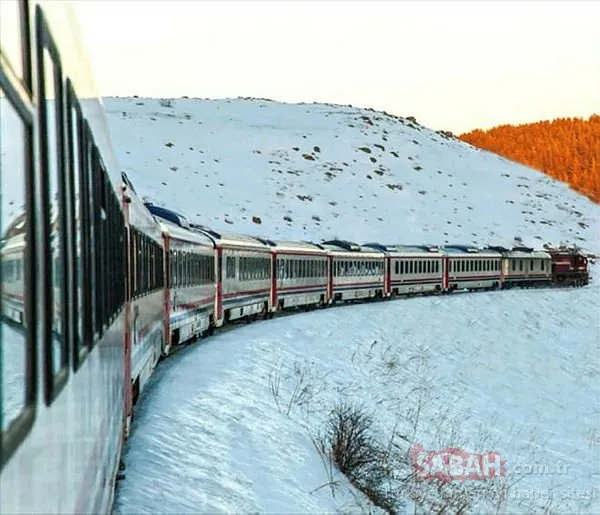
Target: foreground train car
x: 62, y: 343
x: 97, y: 286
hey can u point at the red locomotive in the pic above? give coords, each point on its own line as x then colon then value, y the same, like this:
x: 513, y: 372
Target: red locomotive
x: 569, y: 266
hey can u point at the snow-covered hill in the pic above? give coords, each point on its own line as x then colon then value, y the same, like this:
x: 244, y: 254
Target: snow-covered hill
x: 226, y: 425
x: 312, y: 171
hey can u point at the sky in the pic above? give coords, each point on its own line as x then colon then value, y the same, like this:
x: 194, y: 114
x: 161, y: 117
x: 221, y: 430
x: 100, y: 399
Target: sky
x: 453, y: 65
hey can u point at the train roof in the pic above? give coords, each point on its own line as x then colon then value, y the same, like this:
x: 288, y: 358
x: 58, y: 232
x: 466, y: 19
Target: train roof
x: 169, y: 215
x: 532, y: 254
x: 344, y: 247
x: 469, y: 250
x: 298, y: 246
x: 428, y: 250
x: 180, y: 233
x: 234, y: 240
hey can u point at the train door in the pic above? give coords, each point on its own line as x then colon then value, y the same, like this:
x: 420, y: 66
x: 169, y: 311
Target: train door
x: 273, y: 305
x: 219, y: 287
x: 329, y: 279
x: 167, y: 293
x: 446, y: 273
x: 387, y: 270
x: 128, y: 401
x: 505, y: 270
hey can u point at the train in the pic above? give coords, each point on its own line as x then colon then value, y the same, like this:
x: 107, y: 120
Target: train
x: 98, y: 286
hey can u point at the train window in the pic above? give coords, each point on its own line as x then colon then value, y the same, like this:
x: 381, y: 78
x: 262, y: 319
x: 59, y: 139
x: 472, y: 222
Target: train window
x: 75, y: 148
x: 520, y: 265
x: 173, y: 257
x: 14, y: 38
x: 229, y: 267
x: 531, y: 264
x: 17, y: 349
x: 51, y: 106
x: 542, y: 263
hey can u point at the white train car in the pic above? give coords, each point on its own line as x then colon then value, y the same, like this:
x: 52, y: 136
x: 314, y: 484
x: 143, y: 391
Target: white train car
x: 413, y: 269
x: 244, y: 270
x: 302, y: 275
x: 62, y: 365
x: 145, y: 309
x: 191, y: 268
x: 190, y: 295
x: 472, y: 268
x: 356, y: 272
x: 524, y: 266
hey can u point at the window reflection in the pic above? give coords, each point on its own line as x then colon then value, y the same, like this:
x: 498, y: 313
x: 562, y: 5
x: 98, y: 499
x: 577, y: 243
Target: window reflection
x: 13, y: 342
x: 53, y: 171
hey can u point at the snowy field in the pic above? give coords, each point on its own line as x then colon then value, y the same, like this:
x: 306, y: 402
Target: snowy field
x: 501, y: 371
x: 233, y: 422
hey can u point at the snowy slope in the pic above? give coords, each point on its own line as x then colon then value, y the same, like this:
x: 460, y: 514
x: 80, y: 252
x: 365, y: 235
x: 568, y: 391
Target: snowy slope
x: 503, y: 371
x: 301, y: 170
x: 516, y: 372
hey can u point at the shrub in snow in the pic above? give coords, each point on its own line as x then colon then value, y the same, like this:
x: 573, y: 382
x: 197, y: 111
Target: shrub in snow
x: 349, y: 444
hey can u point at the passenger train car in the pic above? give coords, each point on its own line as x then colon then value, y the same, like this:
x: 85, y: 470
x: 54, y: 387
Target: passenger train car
x: 98, y: 286
x: 301, y: 275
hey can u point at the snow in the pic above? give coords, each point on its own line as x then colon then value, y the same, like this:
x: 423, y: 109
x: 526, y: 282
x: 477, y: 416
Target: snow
x: 516, y: 372
x: 209, y: 437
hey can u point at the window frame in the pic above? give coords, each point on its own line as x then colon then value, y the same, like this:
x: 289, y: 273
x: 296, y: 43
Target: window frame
x: 54, y: 383
x: 74, y: 122
x: 20, y: 426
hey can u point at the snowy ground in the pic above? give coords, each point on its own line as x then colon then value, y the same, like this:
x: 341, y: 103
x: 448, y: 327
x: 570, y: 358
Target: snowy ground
x: 516, y: 372
x: 492, y: 371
